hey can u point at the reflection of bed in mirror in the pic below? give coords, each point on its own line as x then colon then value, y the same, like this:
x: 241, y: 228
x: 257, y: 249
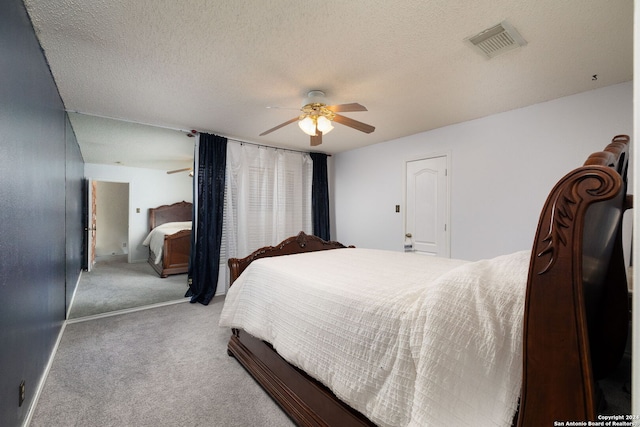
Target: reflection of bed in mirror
x: 169, y: 239
x: 339, y: 337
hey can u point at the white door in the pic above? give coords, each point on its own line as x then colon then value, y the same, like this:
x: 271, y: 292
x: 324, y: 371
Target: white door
x: 427, y: 210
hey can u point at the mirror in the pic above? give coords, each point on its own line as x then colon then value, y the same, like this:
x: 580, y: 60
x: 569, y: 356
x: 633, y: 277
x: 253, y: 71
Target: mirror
x: 126, y: 165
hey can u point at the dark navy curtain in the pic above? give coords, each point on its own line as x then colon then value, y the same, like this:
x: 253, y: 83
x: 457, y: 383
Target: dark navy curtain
x: 204, y: 259
x: 320, y: 196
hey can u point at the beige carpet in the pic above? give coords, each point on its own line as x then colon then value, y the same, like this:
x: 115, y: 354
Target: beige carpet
x: 166, y: 366
x: 113, y: 284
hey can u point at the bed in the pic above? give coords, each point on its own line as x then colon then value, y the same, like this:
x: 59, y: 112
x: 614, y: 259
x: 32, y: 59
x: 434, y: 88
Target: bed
x: 169, y: 238
x: 562, y: 320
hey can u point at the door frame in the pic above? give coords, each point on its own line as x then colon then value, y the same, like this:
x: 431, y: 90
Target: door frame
x: 92, y: 219
x: 90, y: 225
x: 447, y: 155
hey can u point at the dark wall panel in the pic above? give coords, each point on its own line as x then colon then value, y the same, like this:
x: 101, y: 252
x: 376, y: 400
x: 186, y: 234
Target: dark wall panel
x: 33, y: 211
x: 74, y: 225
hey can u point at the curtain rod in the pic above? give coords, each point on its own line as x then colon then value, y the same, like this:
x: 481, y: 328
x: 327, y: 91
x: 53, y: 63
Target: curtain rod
x: 269, y: 146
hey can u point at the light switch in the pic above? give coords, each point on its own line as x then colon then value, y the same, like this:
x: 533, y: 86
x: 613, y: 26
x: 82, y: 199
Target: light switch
x: 137, y: 210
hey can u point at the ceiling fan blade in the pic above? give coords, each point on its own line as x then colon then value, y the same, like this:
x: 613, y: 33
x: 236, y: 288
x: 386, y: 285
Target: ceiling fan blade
x: 345, y: 108
x: 295, y: 119
x: 363, y: 127
x: 179, y: 170
x: 316, y: 140
x: 275, y: 107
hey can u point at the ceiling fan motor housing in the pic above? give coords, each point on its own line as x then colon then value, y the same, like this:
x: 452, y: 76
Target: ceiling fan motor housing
x: 316, y: 109
x: 315, y: 97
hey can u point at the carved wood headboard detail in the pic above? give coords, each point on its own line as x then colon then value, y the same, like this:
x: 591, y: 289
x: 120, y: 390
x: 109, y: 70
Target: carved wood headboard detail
x: 577, y: 259
x: 297, y: 244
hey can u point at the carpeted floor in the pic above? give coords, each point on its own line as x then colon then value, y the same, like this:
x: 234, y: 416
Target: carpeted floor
x: 165, y: 366
x: 168, y: 366
x: 113, y: 284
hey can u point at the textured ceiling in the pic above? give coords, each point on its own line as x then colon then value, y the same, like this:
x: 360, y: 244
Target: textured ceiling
x: 216, y: 66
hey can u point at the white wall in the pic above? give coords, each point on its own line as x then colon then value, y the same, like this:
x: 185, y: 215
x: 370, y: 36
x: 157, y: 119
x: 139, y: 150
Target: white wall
x: 503, y: 167
x: 148, y: 188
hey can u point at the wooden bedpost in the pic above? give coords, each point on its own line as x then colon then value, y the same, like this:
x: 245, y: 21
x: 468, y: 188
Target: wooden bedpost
x: 576, y: 318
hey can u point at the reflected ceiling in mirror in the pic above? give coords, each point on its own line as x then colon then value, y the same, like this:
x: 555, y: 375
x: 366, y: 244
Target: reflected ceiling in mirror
x: 116, y: 142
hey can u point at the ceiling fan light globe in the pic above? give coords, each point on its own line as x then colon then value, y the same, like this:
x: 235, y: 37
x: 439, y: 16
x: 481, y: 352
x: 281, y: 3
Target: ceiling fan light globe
x: 324, y: 125
x: 308, y: 126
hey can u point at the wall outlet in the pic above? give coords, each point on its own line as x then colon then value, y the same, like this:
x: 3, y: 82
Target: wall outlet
x: 21, y: 393
x: 124, y: 244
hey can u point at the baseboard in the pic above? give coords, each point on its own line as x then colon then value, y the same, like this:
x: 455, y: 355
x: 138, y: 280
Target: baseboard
x: 126, y: 310
x: 43, y: 378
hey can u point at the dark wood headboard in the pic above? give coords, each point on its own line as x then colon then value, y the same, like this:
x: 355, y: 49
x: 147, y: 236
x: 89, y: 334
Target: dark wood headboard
x: 293, y: 245
x: 177, y: 212
x: 576, y: 313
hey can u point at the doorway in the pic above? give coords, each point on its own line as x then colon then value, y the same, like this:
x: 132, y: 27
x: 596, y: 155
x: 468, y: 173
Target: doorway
x: 427, y: 228
x: 111, y: 218
x: 108, y: 212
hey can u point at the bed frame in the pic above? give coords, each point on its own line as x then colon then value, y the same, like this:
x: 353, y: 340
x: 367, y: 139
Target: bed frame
x: 177, y: 246
x: 576, y: 314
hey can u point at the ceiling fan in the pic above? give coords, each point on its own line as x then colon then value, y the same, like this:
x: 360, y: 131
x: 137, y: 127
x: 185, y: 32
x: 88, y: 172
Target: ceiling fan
x: 317, y: 116
x: 181, y: 170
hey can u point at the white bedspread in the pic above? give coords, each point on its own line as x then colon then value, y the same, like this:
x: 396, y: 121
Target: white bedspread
x: 155, y: 239
x: 407, y: 340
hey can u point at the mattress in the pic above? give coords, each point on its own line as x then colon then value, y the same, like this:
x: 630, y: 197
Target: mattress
x: 406, y: 339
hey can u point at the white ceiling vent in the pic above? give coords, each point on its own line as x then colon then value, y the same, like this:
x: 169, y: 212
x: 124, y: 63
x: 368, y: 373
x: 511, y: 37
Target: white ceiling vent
x: 496, y: 40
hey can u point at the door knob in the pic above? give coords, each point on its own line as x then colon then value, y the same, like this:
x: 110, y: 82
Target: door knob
x: 408, y: 235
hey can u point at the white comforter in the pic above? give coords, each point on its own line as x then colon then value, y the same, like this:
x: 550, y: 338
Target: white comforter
x: 155, y: 239
x: 407, y: 340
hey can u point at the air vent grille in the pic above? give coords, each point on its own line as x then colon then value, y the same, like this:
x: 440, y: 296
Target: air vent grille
x: 496, y: 40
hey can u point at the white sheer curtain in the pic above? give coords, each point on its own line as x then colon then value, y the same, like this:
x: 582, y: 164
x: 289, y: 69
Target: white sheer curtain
x: 267, y: 197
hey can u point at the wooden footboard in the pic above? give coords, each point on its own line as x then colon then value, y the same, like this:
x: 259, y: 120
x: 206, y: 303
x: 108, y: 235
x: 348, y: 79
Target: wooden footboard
x: 175, y: 254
